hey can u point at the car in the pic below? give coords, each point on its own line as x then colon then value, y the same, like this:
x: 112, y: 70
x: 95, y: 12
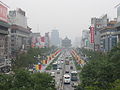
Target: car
x: 67, y: 79
x: 59, y: 67
x: 74, y: 84
x: 66, y: 71
x: 62, y: 61
x: 53, y: 74
x: 58, y: 72
x: 71, y: 67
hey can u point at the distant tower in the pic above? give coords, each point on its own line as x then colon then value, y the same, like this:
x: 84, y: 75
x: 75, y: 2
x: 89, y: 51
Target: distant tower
x: 55, y: 40
x: 66, y: 43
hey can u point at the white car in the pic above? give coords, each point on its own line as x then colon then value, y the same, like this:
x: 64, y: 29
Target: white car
x: 67, y: 79
x: 53, y: 74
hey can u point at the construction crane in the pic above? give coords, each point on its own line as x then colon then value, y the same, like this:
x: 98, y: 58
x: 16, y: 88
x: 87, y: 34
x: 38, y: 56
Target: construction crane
x: 117, y: 5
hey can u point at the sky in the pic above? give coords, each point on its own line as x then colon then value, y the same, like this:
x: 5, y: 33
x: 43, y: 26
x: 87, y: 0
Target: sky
x: 70, y: 17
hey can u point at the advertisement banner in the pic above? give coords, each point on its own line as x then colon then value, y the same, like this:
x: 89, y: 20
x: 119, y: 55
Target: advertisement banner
x: 92, y: 34
x: 3, y: 13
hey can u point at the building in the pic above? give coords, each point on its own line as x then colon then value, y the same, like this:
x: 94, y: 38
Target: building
x: 108, y: 36
x: 18, y: 17
x: 35, y: 42
x: 4, y: 31
x: 5, y: 52
x: 98, y: 24
x: 55, y: 40
x: 20, y: 32
x: 66, y: 43
x: 77, y: 42
x: 117, y: 26
x: 118, y: 14
x: 47, y: 40
x: 85, y: 42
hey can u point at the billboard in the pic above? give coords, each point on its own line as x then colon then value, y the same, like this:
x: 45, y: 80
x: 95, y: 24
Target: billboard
x: 92, y: 34
x: 3, y: 13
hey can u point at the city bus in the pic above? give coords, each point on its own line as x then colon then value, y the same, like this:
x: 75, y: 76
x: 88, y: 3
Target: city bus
x: 66, y: 79
x: 55, y: 66
x: 74, y: 76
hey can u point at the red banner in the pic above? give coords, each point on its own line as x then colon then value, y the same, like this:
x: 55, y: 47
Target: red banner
x: 40, y: 67
x: 92, y: 34
x: 3, y: 13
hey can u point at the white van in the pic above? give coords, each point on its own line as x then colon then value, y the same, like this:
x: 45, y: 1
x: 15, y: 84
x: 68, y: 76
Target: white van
x: 66, y: 79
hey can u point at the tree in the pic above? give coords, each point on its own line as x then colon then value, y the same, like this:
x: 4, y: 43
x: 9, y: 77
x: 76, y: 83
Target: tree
x: 5, y: 81
x: 44, y: 80
x: 23, y: 80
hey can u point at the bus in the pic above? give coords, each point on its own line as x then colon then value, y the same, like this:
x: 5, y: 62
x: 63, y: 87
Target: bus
x: 74, y: 76
x: 55, y: 66
x: 66, y: 79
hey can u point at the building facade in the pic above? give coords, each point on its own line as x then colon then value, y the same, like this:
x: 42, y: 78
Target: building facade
x: 85, y: 38
x: 117, y: 26
x: 55, y: 40
x: 19, y: 31
x: 98, y: 24
x: 47, y: 40
x: 4, y: 34
x: 108, y: 36
x: 66, y: 43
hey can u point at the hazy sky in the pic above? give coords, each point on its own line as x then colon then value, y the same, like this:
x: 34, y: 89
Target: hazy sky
x: 70, y: 17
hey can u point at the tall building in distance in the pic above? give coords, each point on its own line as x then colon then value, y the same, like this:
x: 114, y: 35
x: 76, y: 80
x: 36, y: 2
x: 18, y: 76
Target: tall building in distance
x: 55, y: 40
x: 85, y: 38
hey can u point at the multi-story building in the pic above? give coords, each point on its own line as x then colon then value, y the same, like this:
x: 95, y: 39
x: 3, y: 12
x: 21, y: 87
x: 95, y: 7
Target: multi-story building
x: 98, y: 24
x: 85, y: 39
x: 117, y: 26
x: 47, y: 40
x: 108, y: 36
x: 55, y: 40
x: 20, y: 32
x: 4, y: 31
x: 66, y: 43
x: 35, y: 40
x: 5, y: 51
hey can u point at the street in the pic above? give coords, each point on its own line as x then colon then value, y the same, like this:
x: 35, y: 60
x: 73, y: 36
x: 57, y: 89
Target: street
x: 63, y: 69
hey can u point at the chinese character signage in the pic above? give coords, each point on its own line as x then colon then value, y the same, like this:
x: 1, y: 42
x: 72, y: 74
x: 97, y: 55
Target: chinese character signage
x: 92, y: 34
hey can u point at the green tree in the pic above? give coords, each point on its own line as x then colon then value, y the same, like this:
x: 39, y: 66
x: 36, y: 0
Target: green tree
x: 5, y: 81
x: 43, y: 80
x: 22, y: 80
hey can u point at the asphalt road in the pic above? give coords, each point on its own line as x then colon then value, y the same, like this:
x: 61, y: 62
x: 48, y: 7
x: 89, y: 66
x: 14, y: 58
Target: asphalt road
x: 60, y: 72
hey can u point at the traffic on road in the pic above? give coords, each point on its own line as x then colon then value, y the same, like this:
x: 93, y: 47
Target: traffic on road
x: 64, y: 72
